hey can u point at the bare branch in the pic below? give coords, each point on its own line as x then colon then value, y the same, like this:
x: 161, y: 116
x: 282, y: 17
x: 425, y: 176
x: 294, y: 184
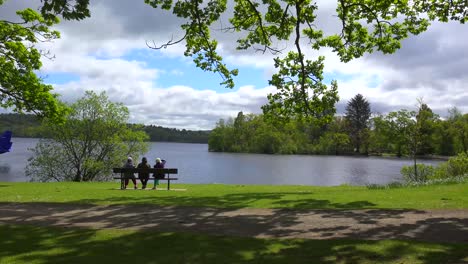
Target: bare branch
x: 167, y: 44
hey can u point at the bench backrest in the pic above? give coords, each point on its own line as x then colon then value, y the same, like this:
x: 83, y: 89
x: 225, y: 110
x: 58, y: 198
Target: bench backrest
x: 150, y: 170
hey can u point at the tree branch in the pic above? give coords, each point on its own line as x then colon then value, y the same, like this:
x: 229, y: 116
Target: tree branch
x: 167, y: 44
x: 303, y: 75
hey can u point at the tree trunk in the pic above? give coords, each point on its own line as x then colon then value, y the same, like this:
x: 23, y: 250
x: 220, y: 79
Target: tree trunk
x: 415, y: 167
x: 78, y: 176
x: 464, y: 143
x: 399, y: 151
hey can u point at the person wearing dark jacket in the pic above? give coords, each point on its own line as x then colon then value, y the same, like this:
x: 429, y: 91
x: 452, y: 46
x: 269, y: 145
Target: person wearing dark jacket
x: 159, y: 165
x: 130, y: 175
x: 143, y: 176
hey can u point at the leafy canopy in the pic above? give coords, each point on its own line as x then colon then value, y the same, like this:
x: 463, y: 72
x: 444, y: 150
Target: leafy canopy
x: 367, y: 26
x: 20, y: 87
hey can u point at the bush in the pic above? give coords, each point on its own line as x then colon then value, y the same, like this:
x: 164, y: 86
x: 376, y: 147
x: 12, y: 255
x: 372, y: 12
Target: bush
x: 392, y: 185
x: 458, y: 165
x: 455, y: 167
x: 423, y: 173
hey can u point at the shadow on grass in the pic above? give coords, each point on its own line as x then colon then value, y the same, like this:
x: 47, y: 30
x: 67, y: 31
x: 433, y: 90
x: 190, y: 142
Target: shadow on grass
x: 370, y: 224
x: 27, y: 244
x: 290, y: 200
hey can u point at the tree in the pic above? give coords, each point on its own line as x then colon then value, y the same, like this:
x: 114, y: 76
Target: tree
x: 459, y: 127
x: 240, y: 141
x: 93, y: 139
x: 378, y: 137
x: 220, y: 139
x: 395, y: 126
x: 409, y: 129
x: 69, y: 10
x: 442, y: 138
x: 20, y: 87
x: 357, y: 114
x: 425, y: 121
x: 333, y: 143
x: 367, y: 26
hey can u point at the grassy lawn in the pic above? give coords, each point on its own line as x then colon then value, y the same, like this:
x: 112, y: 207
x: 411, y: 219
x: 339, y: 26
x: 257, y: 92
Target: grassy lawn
x: 450, y: 196
x: 30, y: 244
x: 39, y: 244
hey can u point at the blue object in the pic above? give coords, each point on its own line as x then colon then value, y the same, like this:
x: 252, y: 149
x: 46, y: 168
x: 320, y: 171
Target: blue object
x: 5, y: 142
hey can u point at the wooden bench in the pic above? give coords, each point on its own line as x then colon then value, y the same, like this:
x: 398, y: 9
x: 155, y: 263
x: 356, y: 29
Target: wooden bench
x: 165, y: 175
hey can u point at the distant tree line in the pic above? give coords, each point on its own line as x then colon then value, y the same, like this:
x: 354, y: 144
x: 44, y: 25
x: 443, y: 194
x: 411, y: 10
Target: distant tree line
x: 24, y: 125
x: 21, y: 125
x: 159, y: 133
x: 399, y: 133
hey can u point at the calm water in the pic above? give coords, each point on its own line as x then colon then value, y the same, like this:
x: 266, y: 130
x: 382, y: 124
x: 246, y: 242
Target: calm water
x: 197, y: 165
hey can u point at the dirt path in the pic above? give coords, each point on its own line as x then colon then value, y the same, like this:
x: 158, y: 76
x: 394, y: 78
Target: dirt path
x: 423, y: 225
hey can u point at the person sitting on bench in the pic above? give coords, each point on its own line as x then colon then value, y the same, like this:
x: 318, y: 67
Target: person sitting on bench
x: 143, y: 176
x: 159, y: 165
x: 130, y: 175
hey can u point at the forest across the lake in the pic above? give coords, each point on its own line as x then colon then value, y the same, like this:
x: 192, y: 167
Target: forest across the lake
x: 29, y: 126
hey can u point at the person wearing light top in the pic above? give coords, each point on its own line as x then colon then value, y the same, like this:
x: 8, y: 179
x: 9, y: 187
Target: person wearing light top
x: 159, y: 165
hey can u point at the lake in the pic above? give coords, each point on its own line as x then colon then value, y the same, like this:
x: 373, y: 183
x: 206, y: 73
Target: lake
x: 197, y: 165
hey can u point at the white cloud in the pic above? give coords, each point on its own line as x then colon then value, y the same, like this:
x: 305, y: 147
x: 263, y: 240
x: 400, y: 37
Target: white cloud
x: 135, y: 85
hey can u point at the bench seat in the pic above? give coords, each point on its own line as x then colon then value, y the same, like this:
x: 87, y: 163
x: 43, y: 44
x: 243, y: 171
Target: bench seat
x: 162, y: 171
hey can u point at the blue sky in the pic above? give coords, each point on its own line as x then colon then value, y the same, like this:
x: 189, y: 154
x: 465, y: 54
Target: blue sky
x: 177, y: 71
x: 60, y: 77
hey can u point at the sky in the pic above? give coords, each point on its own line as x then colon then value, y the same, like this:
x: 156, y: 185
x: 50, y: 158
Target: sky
x: 108, y: 52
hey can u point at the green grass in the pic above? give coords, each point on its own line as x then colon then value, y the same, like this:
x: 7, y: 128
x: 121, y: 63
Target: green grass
x: 36, y: 245
x: 448, y: 196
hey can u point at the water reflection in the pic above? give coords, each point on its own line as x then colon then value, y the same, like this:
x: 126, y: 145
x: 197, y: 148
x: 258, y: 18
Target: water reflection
x: 197, y: 165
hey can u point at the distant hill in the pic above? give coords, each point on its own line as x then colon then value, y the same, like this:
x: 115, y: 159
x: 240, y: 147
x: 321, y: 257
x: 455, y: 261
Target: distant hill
x: 29, y: 126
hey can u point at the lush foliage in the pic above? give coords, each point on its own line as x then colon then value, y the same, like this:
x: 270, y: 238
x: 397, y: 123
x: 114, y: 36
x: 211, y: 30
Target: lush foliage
x: 20, y: 88
x: 455, y: 168
x: 69, y: 10
x: 422, y: 133
x: 420, y: 175
x: 58, y: 245
x: 459, y: 128
x: 244, y: 196
x: 401, y: 133
x: 93, y: 139
x: 367, y: 26
x: 252, y: 133
x: 264, y: 26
